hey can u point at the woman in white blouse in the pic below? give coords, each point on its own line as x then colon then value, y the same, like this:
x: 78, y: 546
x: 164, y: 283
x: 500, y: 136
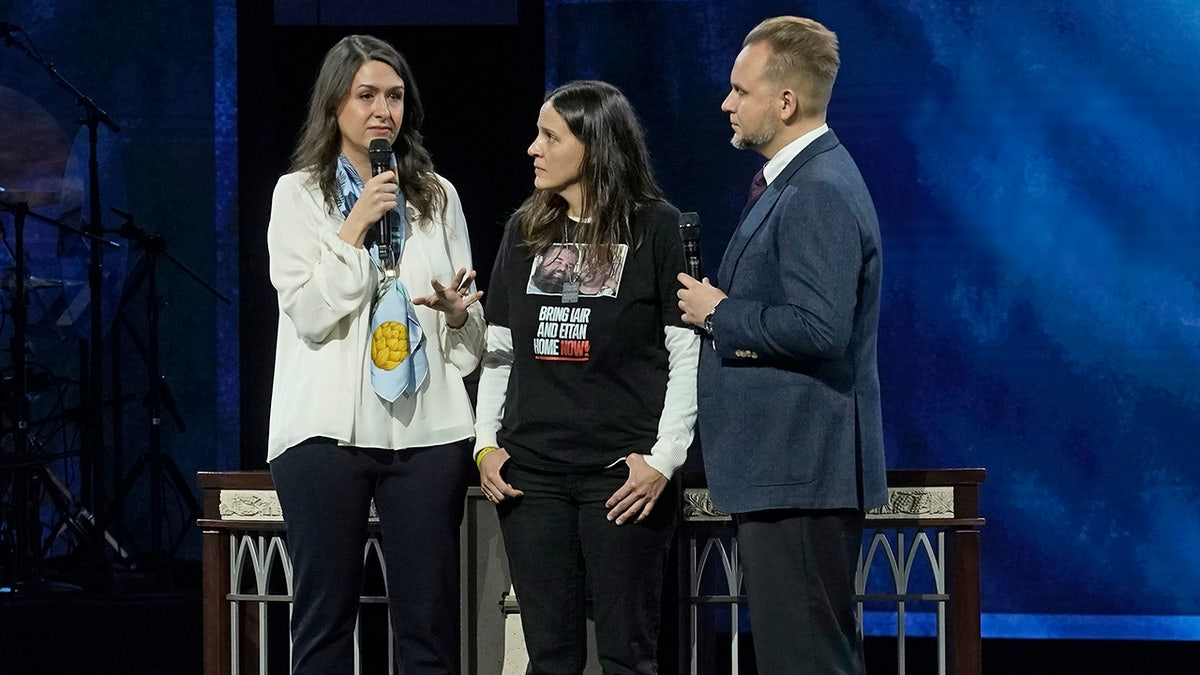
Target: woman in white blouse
x: 368, y: 400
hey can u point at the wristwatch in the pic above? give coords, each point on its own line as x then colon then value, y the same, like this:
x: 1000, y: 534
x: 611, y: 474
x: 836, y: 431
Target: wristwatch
x: 708, y: 319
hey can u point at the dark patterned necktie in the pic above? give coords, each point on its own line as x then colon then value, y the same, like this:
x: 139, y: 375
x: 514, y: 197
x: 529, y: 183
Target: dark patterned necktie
x: 757, y: 186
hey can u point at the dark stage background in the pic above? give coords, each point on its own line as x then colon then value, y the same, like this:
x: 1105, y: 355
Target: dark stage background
x: 1033, y: 167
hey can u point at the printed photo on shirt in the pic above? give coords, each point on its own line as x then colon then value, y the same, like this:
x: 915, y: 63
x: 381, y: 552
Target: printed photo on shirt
x: 564, y: 263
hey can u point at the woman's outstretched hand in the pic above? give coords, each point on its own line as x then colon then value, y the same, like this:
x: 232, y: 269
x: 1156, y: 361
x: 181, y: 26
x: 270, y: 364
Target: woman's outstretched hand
x: 452, y: 300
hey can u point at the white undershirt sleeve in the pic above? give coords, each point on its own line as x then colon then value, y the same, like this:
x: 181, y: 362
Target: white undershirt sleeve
x: 677, y: 423
x: 493, y: 386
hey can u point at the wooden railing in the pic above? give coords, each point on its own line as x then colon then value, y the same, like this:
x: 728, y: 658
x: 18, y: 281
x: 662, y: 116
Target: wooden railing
x: 922, y: 548
x: 932, y: 519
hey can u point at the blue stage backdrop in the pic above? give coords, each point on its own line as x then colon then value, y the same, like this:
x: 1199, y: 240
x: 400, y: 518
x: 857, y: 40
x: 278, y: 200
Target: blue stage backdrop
x: 165, y: 74
x: 1034, y: 166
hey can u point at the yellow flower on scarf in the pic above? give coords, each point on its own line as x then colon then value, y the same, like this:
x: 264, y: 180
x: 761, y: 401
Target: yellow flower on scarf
x: 389, y: 344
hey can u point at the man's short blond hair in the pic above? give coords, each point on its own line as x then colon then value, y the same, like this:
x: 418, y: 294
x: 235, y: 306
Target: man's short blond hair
x: 804, y: 55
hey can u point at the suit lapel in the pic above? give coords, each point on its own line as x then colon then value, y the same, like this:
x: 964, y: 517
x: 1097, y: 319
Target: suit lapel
x: 753, y: 219
x: 756, y: 214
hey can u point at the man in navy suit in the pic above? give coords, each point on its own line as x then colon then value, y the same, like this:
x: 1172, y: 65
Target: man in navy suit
x: 788, y: 388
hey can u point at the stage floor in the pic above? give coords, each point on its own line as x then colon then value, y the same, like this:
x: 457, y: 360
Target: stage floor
x: 151, y: 633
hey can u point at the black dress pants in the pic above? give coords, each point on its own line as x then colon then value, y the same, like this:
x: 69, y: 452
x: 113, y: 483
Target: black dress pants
x: 325, y: 491
x: 561, y: 546
x: 799, y: 568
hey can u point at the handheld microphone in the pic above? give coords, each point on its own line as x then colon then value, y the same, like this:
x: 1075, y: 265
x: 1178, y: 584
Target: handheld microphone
x: 380, y: 152
x: 689, y: 232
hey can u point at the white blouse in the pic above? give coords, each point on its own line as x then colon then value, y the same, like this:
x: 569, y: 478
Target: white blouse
x: 322, y: 384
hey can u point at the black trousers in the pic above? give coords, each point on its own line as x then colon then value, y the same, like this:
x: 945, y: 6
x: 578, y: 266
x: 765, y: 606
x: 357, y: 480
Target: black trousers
x: 799, y: 569
x: 562, y: 550
x: 325, y: 492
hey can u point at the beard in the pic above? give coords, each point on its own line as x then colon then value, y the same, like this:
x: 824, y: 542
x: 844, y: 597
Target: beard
x: 752, y: 141
x: 551, y: 279
x: 756, y: 139
x: 546, y: 279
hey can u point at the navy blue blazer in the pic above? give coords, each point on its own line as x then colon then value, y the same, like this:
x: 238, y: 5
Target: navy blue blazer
x: 788, y: 393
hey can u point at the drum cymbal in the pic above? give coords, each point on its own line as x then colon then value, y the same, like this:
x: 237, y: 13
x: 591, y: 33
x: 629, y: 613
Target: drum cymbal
x: 32, y: 199
x: 8, y: 282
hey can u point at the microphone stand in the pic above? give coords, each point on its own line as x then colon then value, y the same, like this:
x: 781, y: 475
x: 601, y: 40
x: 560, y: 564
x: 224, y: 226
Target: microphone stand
x: 90, y: 468
x: 158, y: 396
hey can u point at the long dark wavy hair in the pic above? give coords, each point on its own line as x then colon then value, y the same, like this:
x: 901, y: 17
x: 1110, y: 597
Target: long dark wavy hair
x: 321, y: 140
x: 615, y: 175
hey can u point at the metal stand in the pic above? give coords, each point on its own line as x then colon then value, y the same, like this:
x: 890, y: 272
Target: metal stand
x: 25, y: 525
x: 92, y: 440
x: 158, y: 397
x: 26, y: 520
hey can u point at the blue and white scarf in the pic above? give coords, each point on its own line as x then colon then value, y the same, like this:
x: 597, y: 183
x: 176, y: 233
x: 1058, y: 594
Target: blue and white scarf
x: 399, y: 364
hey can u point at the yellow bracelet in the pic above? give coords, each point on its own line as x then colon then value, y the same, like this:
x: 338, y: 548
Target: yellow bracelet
x: 483, y: 453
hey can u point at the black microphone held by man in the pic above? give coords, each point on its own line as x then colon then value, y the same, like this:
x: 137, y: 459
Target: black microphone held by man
x: 689, y: 232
